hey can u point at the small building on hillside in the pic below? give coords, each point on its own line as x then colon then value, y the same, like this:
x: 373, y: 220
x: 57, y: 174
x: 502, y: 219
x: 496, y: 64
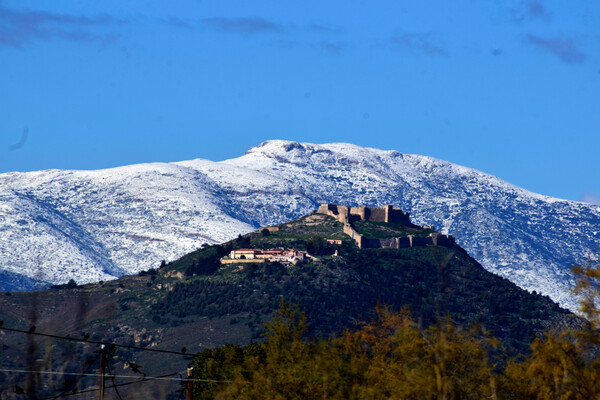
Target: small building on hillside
x: 244, y: 254
x: 284, y: 256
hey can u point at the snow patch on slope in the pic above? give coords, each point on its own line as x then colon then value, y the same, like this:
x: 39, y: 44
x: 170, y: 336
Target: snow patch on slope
x: 95, y: 225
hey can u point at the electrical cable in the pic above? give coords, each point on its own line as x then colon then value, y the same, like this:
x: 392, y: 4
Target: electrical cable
x: 126, y: 346
x: 166, y: 377
x: 109, y: 387
x: 107, y: 376
x: 113, y: 380
x: 80, y: 377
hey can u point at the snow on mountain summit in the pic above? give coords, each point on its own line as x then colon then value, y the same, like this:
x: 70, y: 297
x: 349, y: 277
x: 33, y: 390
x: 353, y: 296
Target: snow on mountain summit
x: 91, y: 225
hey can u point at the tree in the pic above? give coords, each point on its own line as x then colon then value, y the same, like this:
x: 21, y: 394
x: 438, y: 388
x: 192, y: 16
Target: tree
x: 588, y: 288
x: 564, y: 365
x: 389, y: 357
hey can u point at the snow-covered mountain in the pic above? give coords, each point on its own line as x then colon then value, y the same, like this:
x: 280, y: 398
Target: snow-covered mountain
x: 93, y: 225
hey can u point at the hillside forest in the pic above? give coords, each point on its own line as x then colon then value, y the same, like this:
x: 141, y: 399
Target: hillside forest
x: 394, y: 357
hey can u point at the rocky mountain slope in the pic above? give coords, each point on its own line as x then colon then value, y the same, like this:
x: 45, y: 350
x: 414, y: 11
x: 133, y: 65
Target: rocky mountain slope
x: 204, y: 300
x: 95, y: 225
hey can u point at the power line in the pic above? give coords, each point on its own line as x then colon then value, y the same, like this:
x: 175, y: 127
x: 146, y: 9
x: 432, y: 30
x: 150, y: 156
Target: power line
x: 126, y: 346
x: 108, y: 387
x: 113, y: 381
x: 111, y: 376
x: 108, y: 376
x: 80, y: 376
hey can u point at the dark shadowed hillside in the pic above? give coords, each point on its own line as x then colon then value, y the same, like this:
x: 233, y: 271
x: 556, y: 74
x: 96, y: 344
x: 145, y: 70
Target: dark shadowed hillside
x: 196, y: 302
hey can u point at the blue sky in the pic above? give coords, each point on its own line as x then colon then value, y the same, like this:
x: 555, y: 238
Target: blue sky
x: 509, y: 88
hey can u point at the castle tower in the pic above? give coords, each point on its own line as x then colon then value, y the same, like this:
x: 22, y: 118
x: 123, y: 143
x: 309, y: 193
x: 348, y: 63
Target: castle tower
x: 362, y: 212
x: 387, y: 209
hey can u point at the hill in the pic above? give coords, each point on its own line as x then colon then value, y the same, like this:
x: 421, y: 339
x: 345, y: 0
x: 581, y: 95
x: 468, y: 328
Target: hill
x: 97, y: 225
x: 207, y: 298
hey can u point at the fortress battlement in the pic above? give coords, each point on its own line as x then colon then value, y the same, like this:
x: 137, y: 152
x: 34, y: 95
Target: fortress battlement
x: 346, y: 214
x: 389, y: 214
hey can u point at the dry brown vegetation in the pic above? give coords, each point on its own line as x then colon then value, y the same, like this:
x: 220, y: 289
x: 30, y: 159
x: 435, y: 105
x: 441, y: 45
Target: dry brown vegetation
x: 392, y: 357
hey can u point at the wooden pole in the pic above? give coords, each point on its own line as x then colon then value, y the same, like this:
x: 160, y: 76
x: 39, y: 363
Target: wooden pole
x: 101, y: 386
x: 190, y: 384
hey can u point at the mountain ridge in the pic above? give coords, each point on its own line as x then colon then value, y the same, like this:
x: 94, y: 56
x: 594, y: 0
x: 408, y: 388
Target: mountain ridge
x: 134, y: 216
x: 223, y: 294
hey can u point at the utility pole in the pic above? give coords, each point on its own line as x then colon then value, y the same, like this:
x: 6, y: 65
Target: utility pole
x: 190, y: 383
x: 101, y: 386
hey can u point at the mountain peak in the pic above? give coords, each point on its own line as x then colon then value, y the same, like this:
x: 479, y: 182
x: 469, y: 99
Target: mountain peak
x: 282, y: 148
x: 91, y: 225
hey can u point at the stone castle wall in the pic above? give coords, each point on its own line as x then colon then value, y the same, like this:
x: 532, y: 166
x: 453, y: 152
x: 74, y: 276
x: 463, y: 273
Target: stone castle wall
x: 434, y: 239
x: 396, y: 215
x: 377, y: 214
x: 347, y: 215
x: 357, y: 237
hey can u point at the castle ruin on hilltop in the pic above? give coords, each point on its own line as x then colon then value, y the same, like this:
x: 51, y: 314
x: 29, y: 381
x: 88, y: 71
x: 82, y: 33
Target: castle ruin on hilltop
x: 346, y: 214
x: 389, y: 214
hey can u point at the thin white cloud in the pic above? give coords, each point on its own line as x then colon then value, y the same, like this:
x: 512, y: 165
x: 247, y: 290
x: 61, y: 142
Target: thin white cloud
x: 530, y: 10
x: 421, y: 42
x: 566, y: 49
x: 591, y: 198
x: 245, y: 26
x: 19, y: 28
